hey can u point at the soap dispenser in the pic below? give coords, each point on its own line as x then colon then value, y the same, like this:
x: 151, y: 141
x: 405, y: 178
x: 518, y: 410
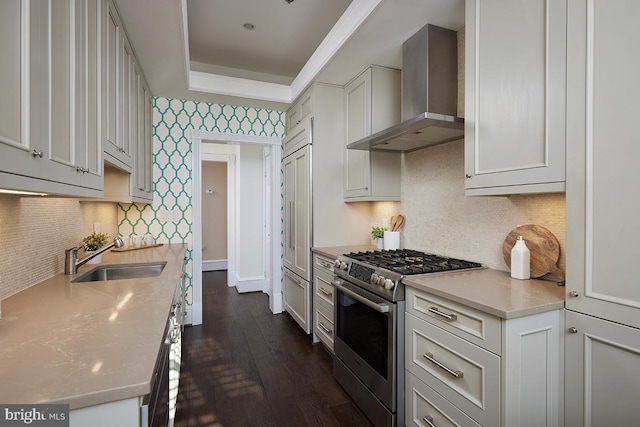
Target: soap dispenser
x: 520, y: 260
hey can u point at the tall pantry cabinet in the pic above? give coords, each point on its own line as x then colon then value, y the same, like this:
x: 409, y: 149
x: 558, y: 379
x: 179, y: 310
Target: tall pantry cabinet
x: 602, y: 344
x: 314, y: 211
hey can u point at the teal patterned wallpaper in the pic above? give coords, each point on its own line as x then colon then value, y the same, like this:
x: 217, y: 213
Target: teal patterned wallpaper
x: 172, y: 121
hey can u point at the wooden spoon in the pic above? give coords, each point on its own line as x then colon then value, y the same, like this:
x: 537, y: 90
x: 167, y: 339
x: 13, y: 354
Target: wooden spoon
x: 399, y: 223
x: 392, y: 223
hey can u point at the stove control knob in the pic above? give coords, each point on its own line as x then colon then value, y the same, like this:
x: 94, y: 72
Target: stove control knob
x: 336, y: 264
x: 388, y: 284
x: 343, y: 265
x: 380, y: 281
x: 374, y: 279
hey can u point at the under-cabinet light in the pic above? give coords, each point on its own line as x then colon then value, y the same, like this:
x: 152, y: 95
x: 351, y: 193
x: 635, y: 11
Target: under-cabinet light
x: 22, y: 193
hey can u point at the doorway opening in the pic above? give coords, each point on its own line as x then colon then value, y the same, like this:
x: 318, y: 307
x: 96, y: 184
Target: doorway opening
x: 253, y: 252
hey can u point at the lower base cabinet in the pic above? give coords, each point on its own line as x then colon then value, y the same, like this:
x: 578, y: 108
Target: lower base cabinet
x: 297, y: 300
x: 324, y: 297
x: 122, y: 413
x: 602, y: 372
x: 470, y: 368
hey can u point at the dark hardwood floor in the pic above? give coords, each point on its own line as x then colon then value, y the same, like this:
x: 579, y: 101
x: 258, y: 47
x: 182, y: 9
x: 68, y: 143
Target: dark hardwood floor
x: 245, y: 366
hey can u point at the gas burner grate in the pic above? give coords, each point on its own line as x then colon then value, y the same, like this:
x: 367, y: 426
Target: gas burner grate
x: 407, y: 262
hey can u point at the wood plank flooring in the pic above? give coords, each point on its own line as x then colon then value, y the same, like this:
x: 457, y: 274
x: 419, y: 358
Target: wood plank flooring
x: 245, y: 366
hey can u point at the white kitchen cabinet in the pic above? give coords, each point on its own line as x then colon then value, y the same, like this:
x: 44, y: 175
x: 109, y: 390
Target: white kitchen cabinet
x: 467, y: 367
x: 300, y: 110
x: 296, y: 294
x: 297, y: 205
x: 313, y: 162
x: 128, y: 147
x: 117, y: 148
x: 51, y: 97
x: 603, y: 298
x: 323, y: 301
x: 601, y: 135
x: 602, y: 382
x: 515, y: 80
x: 142, y: 186
x: 372, y: 103
x: 122, y: 413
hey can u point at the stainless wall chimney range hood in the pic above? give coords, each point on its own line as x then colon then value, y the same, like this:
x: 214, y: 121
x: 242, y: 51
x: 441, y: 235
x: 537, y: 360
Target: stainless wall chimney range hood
x: 429, y: 95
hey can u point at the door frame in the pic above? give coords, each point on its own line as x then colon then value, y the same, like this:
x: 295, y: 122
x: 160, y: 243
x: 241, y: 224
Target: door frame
x: 274, y: 144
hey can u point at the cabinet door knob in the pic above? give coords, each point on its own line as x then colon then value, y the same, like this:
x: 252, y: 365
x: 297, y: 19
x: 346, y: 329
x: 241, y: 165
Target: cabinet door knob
x: 573, y: 294
x: 573, y: 330
x: 466, y: 175
x: 37, y: 153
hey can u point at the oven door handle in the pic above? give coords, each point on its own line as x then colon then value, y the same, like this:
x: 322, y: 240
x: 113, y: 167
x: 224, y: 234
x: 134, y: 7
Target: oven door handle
x: 382, y: 308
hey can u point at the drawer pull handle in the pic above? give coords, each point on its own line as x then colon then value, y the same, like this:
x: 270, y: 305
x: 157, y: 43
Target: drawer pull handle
x: 325, y: 264
x: 329, y: 294
x: 429, y: 420
x: 455, y: 374
x: 437, y: 312
x: 325, y: 329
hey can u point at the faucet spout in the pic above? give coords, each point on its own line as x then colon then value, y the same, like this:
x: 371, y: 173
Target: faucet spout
x: 71, y: 262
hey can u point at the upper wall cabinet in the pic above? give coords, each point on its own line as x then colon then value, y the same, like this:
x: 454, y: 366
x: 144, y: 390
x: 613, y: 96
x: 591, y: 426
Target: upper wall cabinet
x: 515, y: 96
x: 128, y: 114
x: 50, y: 109
x: 118, y: 68
x: 372, y: 103
x: 300, y: 110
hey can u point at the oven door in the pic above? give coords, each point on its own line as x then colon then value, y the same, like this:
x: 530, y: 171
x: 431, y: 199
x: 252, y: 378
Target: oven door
x: 366, y: 339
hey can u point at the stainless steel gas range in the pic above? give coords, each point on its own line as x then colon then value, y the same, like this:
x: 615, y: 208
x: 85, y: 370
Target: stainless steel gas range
x: 369, y: 321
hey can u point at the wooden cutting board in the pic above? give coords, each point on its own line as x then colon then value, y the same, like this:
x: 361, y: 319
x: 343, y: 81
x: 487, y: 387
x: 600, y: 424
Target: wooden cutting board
x: 543, y: 246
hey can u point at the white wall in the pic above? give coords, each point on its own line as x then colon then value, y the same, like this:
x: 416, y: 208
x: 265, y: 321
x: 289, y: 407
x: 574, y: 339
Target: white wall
x: 250, y: 225
x: 214, y: 210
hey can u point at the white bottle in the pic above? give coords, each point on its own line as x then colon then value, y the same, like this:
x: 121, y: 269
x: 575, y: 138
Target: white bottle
x: 520, y: 260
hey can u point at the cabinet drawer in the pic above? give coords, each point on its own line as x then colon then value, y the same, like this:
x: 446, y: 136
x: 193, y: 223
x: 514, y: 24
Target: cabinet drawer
x: 323, y: 324
x: 423, y: 402
x: 473, y: 325
x: 323, y: 288
x: 463, y: 373
x: 322, y: 263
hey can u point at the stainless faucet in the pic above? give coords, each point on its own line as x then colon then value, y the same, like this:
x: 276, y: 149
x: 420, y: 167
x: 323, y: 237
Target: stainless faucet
x: 71, y: 262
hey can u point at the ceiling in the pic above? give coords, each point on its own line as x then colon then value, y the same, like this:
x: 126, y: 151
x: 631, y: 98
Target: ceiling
x: 199, y: 50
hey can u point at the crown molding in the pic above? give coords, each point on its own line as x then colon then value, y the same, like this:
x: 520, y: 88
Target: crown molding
x: 347, y: 25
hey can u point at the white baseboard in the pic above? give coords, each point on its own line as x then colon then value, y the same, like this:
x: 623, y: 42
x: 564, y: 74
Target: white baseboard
x: 214, y: 265
x: 250, y: 284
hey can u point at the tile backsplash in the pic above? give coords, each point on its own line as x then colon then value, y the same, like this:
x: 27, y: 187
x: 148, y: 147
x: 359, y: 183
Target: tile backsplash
x: 36, y: 231
x: 441, y: 219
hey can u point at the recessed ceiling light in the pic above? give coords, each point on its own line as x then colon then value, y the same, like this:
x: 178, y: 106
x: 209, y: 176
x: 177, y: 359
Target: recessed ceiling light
x: 248, y: 26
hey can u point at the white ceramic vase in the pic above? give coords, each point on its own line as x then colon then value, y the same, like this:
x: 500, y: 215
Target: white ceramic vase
x: 380, y: 243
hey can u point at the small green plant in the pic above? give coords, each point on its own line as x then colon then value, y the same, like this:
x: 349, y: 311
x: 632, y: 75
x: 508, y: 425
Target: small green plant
x: 95, y: 241
x: 377, y: 232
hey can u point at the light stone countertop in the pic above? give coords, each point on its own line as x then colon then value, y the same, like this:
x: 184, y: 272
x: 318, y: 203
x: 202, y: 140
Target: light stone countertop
x: 493, y: 291
x: 87, y: 343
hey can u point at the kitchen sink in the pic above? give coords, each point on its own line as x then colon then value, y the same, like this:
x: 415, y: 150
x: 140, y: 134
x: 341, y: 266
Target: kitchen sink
x: 121, y: 271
